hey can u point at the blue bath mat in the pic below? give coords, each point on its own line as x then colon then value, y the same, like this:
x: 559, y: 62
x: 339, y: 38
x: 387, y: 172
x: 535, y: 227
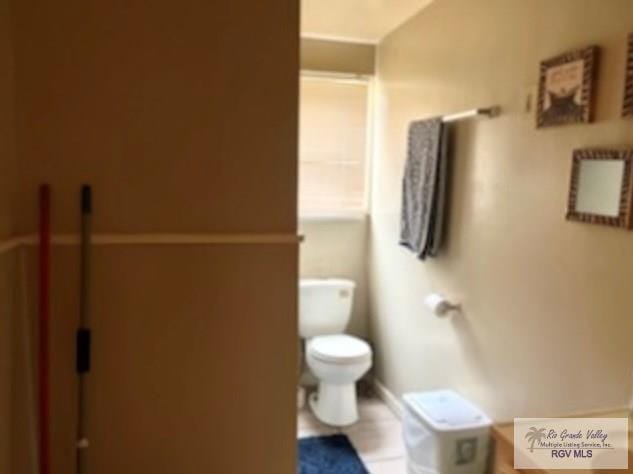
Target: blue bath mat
x: 329, y: 455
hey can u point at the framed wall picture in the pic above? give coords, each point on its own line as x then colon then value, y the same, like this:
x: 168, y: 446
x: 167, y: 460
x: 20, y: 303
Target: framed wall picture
x: 601, y: 187
x: 627, y: 108
x: 566, y: 87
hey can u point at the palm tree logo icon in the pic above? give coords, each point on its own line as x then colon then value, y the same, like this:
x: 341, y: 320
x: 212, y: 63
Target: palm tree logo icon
x: 534, y: 435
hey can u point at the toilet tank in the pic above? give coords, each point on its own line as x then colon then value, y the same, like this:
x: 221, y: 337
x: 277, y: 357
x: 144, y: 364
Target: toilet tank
x: 325, y: 306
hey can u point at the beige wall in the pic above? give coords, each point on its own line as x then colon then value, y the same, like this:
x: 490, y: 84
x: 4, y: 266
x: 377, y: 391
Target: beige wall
x: 336, y: 56
x: 183, y: 339
x: 337, y: 248
x: 160, y: 110
x: 546, y: 325
x: 8, y: 179
x: 170, y: 91
x: 7, y: 139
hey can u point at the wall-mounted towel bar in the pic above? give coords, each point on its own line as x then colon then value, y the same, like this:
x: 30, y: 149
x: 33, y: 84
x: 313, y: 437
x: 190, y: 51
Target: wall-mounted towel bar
x: 488, y: 112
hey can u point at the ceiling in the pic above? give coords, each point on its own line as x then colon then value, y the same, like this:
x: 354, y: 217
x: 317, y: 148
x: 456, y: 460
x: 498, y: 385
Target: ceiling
x: 356, y: 20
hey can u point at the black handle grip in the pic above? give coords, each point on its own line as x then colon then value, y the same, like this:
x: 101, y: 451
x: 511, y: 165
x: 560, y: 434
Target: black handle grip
x: 86, y: 199
x: 83, y: 350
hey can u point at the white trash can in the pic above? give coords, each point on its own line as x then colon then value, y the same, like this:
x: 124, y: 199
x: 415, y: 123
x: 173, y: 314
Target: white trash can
x: 444, y: 434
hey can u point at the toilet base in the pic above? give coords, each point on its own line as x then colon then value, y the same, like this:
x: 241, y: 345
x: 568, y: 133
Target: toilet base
x: 335, y: 405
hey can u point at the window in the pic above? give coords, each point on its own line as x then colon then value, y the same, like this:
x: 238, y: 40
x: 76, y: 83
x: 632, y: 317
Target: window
x: 332, y: 145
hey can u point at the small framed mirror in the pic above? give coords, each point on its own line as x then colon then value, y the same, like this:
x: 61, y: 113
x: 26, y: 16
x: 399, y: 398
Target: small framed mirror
x: 600, y: 190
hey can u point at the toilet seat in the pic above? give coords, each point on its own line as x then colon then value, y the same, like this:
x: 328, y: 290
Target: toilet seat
x: 339, y: 349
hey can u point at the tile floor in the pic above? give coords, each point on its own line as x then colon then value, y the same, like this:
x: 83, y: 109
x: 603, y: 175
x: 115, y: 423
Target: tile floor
x: 376, y: 436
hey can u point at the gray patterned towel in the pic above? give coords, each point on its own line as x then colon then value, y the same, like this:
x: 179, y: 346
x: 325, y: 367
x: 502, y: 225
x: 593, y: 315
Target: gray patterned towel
x: 423, y: 188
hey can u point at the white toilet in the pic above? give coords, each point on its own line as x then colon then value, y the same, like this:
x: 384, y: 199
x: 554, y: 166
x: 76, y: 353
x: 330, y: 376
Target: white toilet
x: 336, y: 359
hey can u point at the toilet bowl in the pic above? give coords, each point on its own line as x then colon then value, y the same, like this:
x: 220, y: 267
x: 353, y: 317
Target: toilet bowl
x: 338, y: 361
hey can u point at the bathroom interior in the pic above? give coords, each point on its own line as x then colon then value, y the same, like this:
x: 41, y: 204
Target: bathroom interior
x: 314, y: 237
x: 540, y: 326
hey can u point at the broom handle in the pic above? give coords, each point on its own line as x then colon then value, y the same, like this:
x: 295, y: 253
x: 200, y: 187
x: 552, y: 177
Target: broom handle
x: 44, y: 323
x: 83, y: 333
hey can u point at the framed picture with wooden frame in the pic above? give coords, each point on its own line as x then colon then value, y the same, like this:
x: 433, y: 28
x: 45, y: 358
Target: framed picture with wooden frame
x: 627, y: 106
x: 601, y: 187
x: 566, y: 88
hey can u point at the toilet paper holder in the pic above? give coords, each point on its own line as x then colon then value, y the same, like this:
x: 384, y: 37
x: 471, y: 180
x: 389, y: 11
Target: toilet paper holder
x: 440, y: 306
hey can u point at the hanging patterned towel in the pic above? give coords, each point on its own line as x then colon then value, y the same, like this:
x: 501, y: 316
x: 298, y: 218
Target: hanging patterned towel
x: 423, y: 188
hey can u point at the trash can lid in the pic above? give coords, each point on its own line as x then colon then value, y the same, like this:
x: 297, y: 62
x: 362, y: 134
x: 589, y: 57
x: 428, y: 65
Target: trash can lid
x: 446, y: 410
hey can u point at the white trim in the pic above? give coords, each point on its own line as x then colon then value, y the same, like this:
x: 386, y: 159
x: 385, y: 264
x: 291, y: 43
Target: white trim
x: 177, y: 239
x: 393, y: 402
x: 331, y: 76
x: 333, y: 216
x: 340, y: 39
x: 157, y: 239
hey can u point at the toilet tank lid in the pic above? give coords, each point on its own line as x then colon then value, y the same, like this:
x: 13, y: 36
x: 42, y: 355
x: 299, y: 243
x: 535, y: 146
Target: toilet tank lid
x: 326, y: 283
x: 446, y: 410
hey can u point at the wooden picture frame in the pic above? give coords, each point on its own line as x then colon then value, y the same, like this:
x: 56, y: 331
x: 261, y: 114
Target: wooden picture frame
x: 625, y: 204
x: 627, y: 105
x: 566, y: 88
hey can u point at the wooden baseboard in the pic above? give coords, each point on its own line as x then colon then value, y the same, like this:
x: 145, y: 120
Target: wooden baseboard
x: 393, y: 402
